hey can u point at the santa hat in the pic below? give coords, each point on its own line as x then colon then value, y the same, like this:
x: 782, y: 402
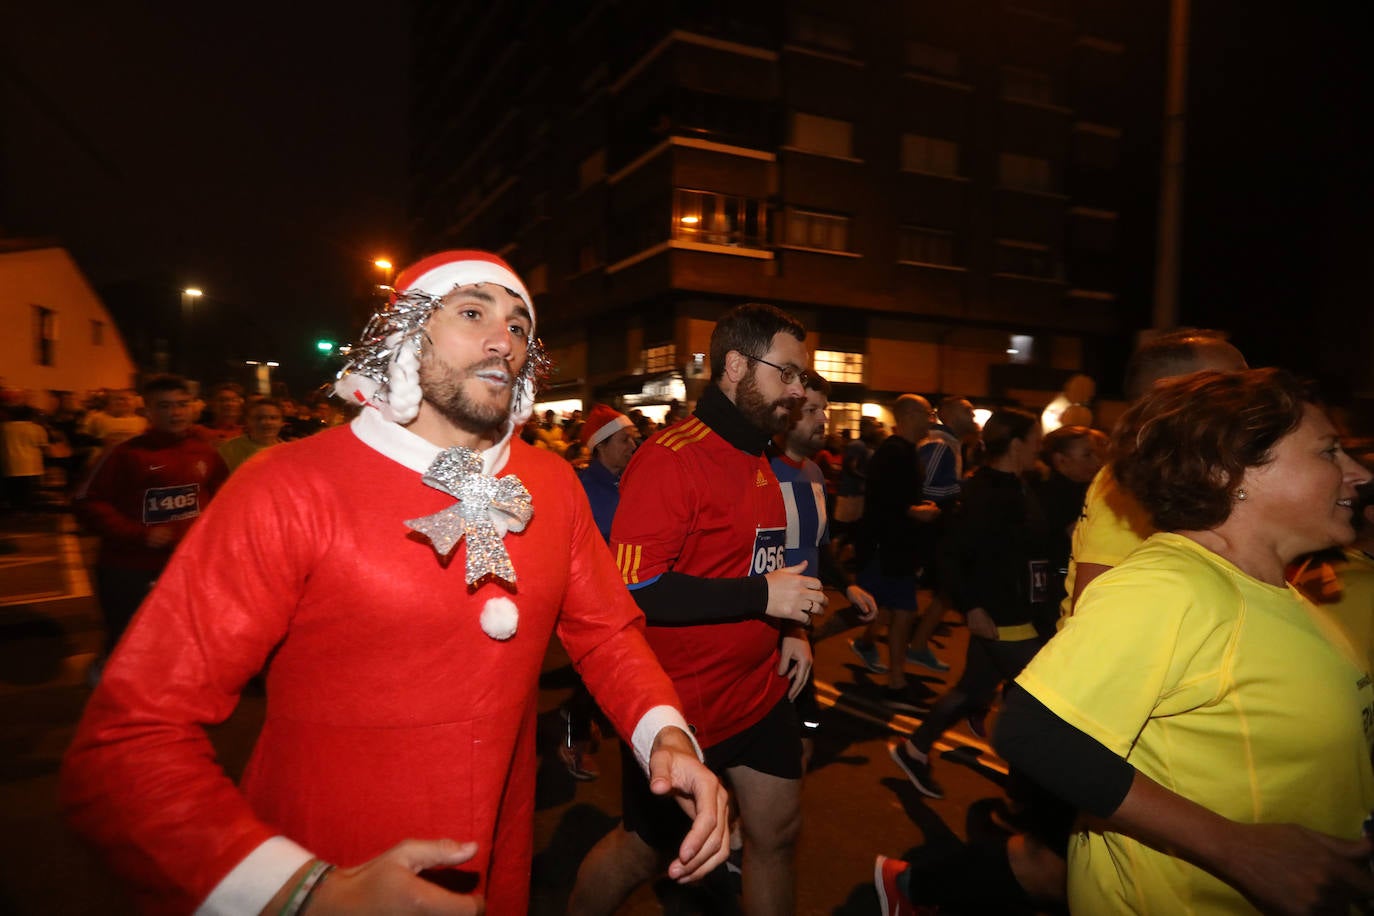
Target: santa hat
x: 440, y: 274
x: 602, y: 423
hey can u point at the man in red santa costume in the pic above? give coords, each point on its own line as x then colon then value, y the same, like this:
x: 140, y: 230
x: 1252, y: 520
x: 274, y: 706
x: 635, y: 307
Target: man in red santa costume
x: 402, y: 634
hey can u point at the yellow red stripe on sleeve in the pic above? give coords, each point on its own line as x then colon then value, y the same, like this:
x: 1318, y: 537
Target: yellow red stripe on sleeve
x: 627, y: 557
x: 685, y: 433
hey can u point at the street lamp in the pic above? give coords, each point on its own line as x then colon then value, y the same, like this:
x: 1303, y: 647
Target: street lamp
x: 189, y: 295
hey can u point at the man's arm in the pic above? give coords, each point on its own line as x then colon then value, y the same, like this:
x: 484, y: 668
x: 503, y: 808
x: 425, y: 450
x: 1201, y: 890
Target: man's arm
x: 603, y: 631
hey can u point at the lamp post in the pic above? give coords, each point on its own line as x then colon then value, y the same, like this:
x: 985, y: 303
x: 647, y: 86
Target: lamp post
x: 188, y: 300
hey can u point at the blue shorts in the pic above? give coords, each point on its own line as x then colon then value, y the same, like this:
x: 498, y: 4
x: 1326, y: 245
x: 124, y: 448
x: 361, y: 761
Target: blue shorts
x: 896, y: 593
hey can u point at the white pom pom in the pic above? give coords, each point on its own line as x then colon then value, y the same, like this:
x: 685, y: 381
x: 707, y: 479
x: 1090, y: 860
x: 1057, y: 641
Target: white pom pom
x: 499, y: 618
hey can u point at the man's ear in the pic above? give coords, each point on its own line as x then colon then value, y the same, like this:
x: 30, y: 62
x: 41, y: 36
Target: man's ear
x: 736, y: 366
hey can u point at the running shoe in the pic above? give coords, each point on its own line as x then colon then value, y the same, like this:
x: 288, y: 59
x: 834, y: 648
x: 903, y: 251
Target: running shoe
x: 926, y: 659
x: 890, y: 897
x: 868, y: 654
x: 918, y: 771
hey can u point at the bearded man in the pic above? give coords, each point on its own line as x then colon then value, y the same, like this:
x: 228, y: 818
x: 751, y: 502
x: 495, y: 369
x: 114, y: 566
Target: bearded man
x: 402, y: 635
x: 700, y: 536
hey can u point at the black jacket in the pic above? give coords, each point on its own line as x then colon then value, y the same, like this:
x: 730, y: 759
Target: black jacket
x: 999, y: 549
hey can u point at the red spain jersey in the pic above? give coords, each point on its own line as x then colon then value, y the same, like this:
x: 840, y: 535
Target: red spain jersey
x: 692, y: 503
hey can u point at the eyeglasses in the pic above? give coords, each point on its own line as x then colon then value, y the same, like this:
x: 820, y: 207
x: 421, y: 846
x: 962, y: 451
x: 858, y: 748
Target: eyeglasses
x: 789, y: 374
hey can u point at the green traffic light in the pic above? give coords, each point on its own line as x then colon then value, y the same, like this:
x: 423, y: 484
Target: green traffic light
x: 324, y: 346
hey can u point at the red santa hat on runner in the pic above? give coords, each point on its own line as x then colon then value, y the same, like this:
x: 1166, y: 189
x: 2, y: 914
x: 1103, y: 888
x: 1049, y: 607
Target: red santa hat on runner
x: 383, y: 367
x: 602, y: 423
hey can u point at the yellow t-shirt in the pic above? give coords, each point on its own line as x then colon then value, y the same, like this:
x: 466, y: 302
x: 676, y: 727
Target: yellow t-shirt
x: 1230, y: 692
x: 1112, y: 524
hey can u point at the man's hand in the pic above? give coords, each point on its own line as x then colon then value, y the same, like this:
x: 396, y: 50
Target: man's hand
x: 390, y: 883
x: 924, y: 512
x: 980, y: 623
x: 792, y: 596
x: 1284, y: 868
x: 795, y: 654
x: 674, y: 768
x: 867, y: 605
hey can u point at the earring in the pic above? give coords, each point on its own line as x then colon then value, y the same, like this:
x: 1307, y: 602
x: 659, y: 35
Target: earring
x: 1241, y: 495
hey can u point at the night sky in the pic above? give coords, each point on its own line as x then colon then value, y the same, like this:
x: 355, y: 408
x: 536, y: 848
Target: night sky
x: 259, y: 152
x: 255, y: 151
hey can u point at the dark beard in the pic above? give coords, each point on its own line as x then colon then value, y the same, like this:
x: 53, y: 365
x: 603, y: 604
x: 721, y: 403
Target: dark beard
x: 762, y: 413
x: 441, y: 386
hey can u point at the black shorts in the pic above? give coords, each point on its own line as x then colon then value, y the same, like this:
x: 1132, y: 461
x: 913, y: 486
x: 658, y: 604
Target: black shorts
x: 772, y: 746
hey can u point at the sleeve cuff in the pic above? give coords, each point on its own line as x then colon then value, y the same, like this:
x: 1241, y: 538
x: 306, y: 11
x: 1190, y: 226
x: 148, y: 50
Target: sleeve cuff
x: 653, y: 722
x: 255, y: 880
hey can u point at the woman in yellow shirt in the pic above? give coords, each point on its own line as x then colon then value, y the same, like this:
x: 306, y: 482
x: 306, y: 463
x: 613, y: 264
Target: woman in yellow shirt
x: 1216, y: 726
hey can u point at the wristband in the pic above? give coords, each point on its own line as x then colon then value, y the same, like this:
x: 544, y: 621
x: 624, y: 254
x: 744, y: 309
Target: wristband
x: 296, y: 902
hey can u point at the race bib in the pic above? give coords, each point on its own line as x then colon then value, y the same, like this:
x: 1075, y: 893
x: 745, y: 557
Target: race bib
x: 171, y: 504
x: 770, y: 549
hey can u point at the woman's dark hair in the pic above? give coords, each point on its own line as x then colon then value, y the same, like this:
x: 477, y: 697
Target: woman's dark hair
x: 1005, y: 425
x: 1182, y: 449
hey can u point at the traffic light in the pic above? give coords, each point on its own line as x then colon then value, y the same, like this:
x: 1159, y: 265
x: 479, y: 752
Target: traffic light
x: 324, y: 346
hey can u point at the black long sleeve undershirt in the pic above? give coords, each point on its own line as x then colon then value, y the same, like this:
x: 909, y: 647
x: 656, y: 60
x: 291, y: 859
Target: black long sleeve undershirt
x: 1059, y: 757
x: 676, y: 599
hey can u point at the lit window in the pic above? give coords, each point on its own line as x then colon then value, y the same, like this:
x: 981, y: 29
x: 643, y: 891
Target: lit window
x: 817, y: 230
x: 719, y: 219
x: 844, y: 415
x: 1029, y: 173
x: 839, y: 365
x: 929, y: 154
x: 660, y: 358
x: 1027, y: 85
x: 917, y: 245
x: 827, y: 136
x: 932, y: 59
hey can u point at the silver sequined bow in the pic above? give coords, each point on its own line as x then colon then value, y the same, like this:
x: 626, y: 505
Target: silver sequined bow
x: 486, y: 510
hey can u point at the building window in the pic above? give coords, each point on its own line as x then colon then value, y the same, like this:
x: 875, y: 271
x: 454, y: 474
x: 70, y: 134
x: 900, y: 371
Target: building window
x: 932, y: 59
x: 1026, y: 259
x: 97, y: 332
x: 827, y: 136
x: 719, y: 219
x: 537, y: 279
x: 918, y: 245
x: 929, y: 154
x: 588, y: 255
x: 1030, y: 173
x: 825, y: 231
x: 1096, y: 147
x: 1027, y: 86
x: 592, y: 169
x: 44, y: 336
x: 844, y: 415
x: 660, y: 358
x: 822, y: 32
x: 839, y: 365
